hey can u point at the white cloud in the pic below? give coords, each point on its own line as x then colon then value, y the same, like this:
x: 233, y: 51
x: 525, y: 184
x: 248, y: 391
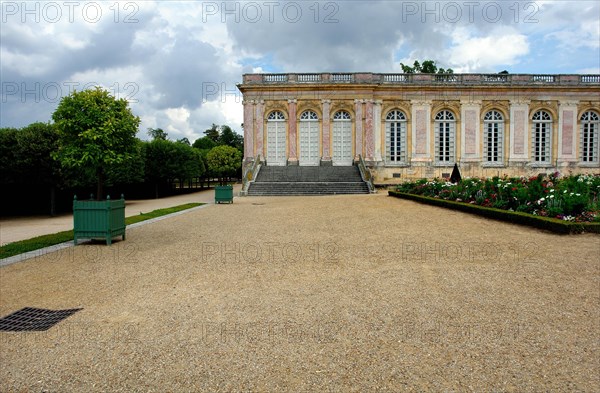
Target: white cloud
x: 486, y: 54
x: 172, y: 50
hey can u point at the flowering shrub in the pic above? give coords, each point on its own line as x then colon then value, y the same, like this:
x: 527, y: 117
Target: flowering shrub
x: 570, y: 198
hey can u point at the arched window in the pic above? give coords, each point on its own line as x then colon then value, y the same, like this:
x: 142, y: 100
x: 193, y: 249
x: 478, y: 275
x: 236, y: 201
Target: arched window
x: 276, y: 142
x: 309, y: 138
x: 445, y: 129
x: 541, y: 137
x: 341, y: 115
x: 276, y: 116
x: 395, y: 137
x: 590, y: 128
x: 493, y: 137
x: 342, y: 138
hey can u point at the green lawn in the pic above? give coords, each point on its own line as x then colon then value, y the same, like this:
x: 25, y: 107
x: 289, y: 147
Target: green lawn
x: 36, y: 243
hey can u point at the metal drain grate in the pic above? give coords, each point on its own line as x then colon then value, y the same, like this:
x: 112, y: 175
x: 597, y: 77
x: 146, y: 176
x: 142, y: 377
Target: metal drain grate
x: 34, y: 319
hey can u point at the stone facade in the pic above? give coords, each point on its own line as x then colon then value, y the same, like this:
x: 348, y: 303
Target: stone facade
x: 409, y: 126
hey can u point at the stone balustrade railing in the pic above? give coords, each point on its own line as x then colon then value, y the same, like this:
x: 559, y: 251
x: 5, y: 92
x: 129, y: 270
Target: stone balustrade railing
x: 249, y: 175
x: 416, y: 79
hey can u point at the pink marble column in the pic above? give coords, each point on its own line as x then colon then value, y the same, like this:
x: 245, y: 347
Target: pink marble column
x: 520, y: 118
x: 248, y: 129
x: 420, y: 132
x: 259, y: 117
x: 470, y: 131
x: 358, y: 106
x: 293, y: 155
x: 326, y: 128
x: 567, y: 132
x: 369, y: 135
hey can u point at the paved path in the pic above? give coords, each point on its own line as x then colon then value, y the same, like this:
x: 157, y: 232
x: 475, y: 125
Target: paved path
x: 311, y: 294
x: 20, y: 228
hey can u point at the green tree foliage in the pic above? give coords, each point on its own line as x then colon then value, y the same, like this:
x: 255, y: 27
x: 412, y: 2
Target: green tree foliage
x: 95, y: 130
x: 166, y: 161
x: 189, y: 162
x: 131, y: 170
x: 230, y: 138
x: 204, y: 143
x: 25, y: 160
x: 9, y: 150
x: 427, y: 67
x: 224, y: 161
x: 213, y: 133
x: 157, y: 133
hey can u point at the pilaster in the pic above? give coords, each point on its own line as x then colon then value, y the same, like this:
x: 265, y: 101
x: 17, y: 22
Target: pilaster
x: 259, y: 117
x: 369, y: 132
x: 249, y: 129
x: 567, y: 132
x: 470, y: 138
x: 326, y: 140
x: 377, y: 129
x: 519, y: 131
x: 358, y: 110
x: 292, y: 128
x: 421, y: 131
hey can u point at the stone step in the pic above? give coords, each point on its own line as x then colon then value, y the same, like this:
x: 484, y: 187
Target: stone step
x: 307, y: 188
x: 300, y: 180
x: 308, y: 174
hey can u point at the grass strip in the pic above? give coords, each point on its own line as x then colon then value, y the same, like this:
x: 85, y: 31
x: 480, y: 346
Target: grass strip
x: 551, y: 224
x: 43, y: 241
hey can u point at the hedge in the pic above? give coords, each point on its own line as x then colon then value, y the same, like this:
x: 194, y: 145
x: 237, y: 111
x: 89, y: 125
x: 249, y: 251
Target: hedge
x: 547, y: 223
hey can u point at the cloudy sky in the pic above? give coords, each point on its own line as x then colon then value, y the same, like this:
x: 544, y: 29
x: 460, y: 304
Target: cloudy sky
x: 178, y: 62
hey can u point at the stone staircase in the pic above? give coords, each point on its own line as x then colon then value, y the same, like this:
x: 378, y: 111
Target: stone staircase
x: 306, y: 180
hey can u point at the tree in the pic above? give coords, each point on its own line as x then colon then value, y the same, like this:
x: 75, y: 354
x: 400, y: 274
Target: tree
x: 95, y: 130
x: 188, y: 163
x: 428, y: 67
x: 131, y: 170
x: 9, y: 148
x: 213, y: 133
x: 185, y: 141
x: 160, y: 166
x: 224, y: 161
x: 230, y: 138
x: 204, y: 143
x: 37, y: 142
x: 157, y: 133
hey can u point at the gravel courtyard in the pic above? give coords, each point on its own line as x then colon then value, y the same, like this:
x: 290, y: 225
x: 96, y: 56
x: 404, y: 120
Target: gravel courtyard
x: 334, y: 293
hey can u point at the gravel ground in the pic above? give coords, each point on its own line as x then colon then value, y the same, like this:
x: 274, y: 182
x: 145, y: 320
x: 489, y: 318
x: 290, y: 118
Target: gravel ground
x: 343, y: 293
x: 13, y: 229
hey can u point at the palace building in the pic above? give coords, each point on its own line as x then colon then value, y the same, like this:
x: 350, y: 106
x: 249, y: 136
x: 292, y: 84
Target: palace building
x: 406, y: 126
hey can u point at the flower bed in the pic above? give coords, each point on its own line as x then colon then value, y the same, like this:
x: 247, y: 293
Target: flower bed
x: 569, y: 199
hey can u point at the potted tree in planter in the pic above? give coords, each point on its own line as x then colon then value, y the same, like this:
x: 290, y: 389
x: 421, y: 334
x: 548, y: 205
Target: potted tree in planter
x: 95, y: 131
x: 223, y: 161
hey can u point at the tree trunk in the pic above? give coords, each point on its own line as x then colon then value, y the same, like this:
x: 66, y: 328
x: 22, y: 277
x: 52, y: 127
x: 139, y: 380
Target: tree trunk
x: 156, y: 190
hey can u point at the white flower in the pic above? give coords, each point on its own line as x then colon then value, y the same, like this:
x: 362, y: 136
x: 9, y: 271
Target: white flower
x: 578, y: 194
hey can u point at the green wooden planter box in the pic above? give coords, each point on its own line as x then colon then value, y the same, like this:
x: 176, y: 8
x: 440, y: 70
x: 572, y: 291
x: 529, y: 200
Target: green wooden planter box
x: 98, y: 219
x: 224, y: 194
